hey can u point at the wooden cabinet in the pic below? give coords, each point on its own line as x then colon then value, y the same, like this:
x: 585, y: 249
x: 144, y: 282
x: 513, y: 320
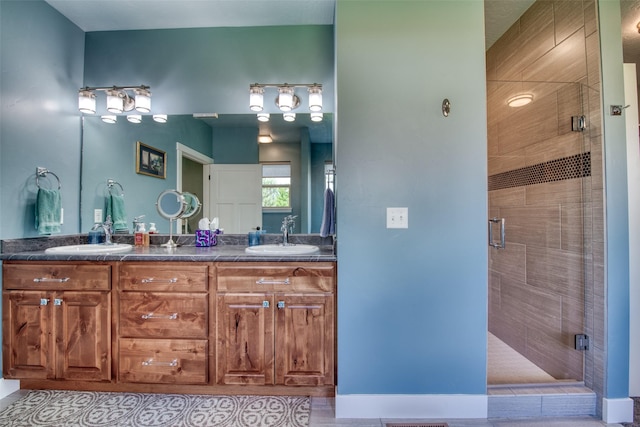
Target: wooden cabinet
x: 56, y: 321
x: 276, y: 323
x: 163, y: 323
x: 183, y: 327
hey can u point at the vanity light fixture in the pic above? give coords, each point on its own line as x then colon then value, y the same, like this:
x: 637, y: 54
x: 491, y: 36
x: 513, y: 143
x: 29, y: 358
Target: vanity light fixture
x: 87, y: 102
x: 286, y: 99
x: 520, y: 100
x: 265, y: 139
x: 160, y: 118
x: 289, y: 117
x: 315, y: 98
x: 134, y: 118
x: 119, y: 99
x: 109, y: 118
x: 263, y: 117
x: 256, y: 98
x: 316, y: 117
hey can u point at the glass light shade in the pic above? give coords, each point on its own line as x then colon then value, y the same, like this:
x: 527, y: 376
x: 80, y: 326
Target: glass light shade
x: 134, y: 118
x: 87, y: 102
x: 109, y: 118
x: 315, y: 98
x: 160, y: 118
x: 520, y: 100
x: 285, y: 99
x: 263, y: 117
x: 316, y: 117
x: 256, y: 98
x: 115, y: 103
x: 289, y: 117
x: 143, y: 100
x: 264, y: 139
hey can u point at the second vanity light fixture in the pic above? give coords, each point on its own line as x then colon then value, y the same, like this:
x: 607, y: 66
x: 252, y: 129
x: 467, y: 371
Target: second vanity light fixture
x: 287, y: 100
x: 120, y: 99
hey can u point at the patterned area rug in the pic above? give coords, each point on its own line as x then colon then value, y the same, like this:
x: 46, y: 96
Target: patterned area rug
x: 84, y: 409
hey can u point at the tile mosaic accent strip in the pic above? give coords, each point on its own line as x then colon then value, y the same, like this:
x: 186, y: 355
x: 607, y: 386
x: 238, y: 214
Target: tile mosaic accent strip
x: 576, y: 166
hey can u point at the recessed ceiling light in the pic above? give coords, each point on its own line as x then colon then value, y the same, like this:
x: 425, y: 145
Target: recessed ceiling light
x: 520, y: 100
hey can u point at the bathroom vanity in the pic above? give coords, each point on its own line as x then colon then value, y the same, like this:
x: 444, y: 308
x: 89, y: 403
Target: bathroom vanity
x: 189, y: 320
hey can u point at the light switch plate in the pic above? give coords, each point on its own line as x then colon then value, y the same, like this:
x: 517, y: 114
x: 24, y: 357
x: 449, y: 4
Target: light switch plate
x: 397, y: 217
x: 97, y: 215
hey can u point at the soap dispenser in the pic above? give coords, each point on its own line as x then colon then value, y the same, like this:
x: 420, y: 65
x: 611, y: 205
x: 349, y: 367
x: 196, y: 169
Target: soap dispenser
x: 139, y: 235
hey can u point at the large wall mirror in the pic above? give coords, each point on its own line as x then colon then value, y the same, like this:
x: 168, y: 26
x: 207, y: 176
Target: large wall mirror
x: 109, y: 153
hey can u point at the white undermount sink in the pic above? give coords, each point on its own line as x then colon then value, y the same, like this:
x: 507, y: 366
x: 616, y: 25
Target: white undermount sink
x: 279, y: 249
x: 91, y: 249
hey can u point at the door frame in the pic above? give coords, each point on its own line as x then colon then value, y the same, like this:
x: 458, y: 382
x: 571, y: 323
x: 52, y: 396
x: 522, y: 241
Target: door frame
x: 183, y: 151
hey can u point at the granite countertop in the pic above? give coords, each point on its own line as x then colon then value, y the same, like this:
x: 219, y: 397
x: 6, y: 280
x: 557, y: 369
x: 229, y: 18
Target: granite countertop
x: 229, y: 248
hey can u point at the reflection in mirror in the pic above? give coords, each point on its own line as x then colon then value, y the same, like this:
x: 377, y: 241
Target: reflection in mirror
x: 172, y: 204
x: 108, y: 152
x: 192, y: 205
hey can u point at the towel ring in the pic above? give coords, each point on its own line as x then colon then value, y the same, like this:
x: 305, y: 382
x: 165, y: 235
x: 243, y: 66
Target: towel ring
x: 43, y: 172
x: 111, y: 183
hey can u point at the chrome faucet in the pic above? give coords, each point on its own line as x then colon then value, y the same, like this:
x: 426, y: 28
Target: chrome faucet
x: 107, y: 226
x: 288, y: 222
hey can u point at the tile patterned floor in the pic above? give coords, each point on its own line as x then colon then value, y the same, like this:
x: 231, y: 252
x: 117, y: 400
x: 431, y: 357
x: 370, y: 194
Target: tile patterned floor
x: 323, y: 410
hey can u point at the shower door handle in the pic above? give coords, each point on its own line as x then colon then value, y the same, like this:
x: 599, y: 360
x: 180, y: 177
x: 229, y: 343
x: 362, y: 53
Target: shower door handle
x: 492, y: 243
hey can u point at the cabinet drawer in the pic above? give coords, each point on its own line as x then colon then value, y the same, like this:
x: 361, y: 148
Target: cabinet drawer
x: 157, y: 314
x: 276, y: 276
x: 163, y: 361
x: 56, y: 276
x: 179, y: 277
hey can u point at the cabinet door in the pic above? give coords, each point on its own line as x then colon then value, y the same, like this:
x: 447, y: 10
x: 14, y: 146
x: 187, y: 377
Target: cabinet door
x: 245, y: 339
x: 83, y: 328
x: 27, y: 339
x: 305, y: 339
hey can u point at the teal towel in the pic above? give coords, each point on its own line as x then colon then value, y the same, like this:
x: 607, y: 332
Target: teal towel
x: 48, y: 211
x: 115, y: 208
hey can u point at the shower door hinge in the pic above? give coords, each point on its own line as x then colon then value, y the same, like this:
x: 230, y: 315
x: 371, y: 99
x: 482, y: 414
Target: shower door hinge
x: 578, y: 123
x: 582, y: 342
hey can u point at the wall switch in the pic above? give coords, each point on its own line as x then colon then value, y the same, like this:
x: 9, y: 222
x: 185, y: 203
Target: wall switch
x: 397, y: 217
x: 97, y: 215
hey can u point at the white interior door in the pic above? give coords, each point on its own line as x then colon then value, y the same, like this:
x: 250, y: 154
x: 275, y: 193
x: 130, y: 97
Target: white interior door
x: 235, y: 197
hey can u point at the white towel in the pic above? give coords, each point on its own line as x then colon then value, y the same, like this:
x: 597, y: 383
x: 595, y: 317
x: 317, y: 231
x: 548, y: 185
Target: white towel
x: 328, y: 214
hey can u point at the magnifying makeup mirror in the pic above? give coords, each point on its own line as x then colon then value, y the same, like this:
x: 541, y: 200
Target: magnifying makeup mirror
x: 172, y: 204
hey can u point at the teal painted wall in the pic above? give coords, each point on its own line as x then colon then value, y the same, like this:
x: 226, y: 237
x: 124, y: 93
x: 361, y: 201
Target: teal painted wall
x: 617, y: 220
x: 201, y: 70
x: 412, y: 303
x: 42, y: 66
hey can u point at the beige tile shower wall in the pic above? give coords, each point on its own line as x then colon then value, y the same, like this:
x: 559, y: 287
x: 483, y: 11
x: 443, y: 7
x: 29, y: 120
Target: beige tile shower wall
x: 538, y: 285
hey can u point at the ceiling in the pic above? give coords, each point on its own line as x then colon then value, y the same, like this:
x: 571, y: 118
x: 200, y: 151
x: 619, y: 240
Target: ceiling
x: 111, y: 15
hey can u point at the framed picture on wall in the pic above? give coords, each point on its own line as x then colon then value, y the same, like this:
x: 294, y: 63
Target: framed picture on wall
x: 150, y: 161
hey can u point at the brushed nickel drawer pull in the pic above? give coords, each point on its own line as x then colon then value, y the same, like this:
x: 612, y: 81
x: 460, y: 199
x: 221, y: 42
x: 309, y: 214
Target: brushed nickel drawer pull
x: 263, y: 281
x: 172, y: 316
x: 48, y: 279
x: 153, y: 280
x: 151, y: 362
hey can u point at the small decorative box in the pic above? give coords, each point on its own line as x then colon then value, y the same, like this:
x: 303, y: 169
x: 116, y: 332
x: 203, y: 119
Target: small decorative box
x: 206, y: 238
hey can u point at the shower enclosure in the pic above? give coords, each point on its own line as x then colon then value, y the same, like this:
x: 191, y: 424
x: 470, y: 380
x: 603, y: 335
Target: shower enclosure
x: 539, y: 167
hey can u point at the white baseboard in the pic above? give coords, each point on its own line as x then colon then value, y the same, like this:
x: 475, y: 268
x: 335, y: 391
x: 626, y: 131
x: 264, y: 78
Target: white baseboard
x: 617, y: 410
x: 411, y: 406
x: 8, y: 386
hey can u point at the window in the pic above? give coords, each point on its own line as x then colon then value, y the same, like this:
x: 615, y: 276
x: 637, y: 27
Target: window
x: 329, y: 175
x: 276, y: 187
